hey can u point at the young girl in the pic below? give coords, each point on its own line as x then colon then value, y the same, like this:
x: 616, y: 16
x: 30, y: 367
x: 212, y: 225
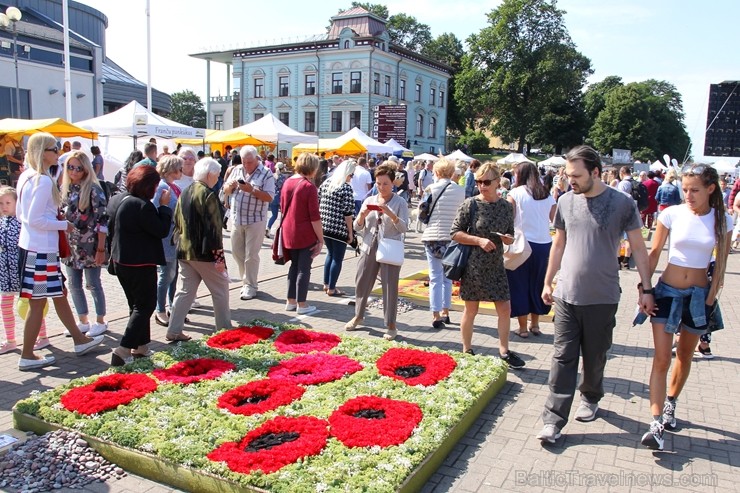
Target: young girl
x: 684, y: 296
x: 10, y: 285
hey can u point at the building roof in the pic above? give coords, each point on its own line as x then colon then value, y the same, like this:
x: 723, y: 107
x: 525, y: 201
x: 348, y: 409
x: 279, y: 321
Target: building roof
x: 359, y: 20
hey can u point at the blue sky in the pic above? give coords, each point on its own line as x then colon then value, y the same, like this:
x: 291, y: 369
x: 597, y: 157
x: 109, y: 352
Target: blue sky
x: 689, y: 43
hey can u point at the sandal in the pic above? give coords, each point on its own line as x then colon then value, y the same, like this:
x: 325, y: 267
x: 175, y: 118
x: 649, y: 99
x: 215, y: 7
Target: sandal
x: 535, y: 330
x: 352, y: 325
x: 177, y: 338
x: 523, y: 335
x: 336, y: 293
x: 390, y: 334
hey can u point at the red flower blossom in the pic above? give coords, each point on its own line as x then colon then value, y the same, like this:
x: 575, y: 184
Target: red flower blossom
x: 312, y: 369
x: 369, y: 420
x: 108, y: 392
x: 415, y: 367
x: 277, y: 443
x: 239, y: 337
x: 194, y: 370
x: 260, y: 396
x: 306, y: 341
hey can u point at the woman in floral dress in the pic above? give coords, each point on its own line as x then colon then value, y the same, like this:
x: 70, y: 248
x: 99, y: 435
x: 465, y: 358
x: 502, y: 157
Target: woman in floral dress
x: 485, y: 277
x: 85, y: 202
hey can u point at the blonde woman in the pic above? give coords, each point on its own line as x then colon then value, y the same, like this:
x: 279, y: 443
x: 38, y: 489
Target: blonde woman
x: 668, y: 193
x: 84, y: 207
x: 337, y: 211
x: 38, y: 205
x: 486, y: 222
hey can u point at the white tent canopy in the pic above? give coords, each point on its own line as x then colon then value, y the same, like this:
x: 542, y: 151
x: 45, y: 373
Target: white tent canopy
x: 554, y: 161
x: 722, y: 166
x: 459, y: 155
x: 372, y: 145
x: 427, y: 157
x: 270, y: 129
x: 513, y: 158
x: 658, y: 166
x: 134, y: 120
x: 397, y: 147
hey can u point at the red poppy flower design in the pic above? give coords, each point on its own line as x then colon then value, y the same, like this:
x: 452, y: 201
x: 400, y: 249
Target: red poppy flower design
x: 240, y: 337
x: 275, y: 444
x: 108, y: 392
x: 366, y: 421
x: 260, y: 396
x: 312, y: 369
x: 194, y: 370
x: 415, y: 367
x: 306, y: 341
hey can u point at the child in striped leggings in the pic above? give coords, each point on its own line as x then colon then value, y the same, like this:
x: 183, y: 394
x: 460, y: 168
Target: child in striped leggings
x: 10, y: 286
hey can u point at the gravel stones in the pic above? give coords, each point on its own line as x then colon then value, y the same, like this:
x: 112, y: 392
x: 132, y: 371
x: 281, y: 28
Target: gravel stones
x: 59, y: 459
x: 403, y: 305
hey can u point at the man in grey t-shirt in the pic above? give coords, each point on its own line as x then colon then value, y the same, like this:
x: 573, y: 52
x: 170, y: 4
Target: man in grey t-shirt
x: 589, y: 223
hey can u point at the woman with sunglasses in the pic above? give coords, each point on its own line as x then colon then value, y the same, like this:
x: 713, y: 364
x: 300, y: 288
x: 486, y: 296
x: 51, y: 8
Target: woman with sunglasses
x: 84, y: 206
x: 486, y: 230
x: 38, y: 256
x: 684, y: 295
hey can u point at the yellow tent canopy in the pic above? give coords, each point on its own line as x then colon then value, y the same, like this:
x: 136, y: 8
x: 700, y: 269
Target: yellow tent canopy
x: 333, y: 146
x: 18, y: 128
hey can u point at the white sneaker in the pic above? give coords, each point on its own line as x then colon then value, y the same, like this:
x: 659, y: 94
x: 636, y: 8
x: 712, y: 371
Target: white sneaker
x: 84, y: 328
x: 247, y: 293
x: 302, y: 310
x: 289, y: 307
x: 586, y: 411
x: 97, y: 329
x: 31, y: 364
x: 549, y: 434
x: 195, y: 304
x: 81, y: 349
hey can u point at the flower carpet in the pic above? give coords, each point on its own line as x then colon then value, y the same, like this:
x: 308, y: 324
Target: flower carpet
x: 277, y: 408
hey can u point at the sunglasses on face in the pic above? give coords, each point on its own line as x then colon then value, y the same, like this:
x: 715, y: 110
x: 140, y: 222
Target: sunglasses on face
x: 485, y: 182
x: 53, y: 149
x: 78, y: 169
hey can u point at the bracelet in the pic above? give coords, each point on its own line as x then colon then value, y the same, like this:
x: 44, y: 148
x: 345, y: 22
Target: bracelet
x: 649, y: 291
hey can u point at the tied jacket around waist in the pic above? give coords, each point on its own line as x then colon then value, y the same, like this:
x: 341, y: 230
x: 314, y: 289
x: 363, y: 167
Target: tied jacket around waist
x: 136, y: 228
x: 393, y: 231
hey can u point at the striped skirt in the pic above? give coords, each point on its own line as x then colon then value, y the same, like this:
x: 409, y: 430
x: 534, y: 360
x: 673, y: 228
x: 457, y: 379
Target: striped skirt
x: 40, y: 275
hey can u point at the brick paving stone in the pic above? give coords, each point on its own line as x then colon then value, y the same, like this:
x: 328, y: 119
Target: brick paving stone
x: 501, y: 443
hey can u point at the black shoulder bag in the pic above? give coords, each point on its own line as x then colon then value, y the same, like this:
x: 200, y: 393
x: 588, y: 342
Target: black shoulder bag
x: 456, y: 257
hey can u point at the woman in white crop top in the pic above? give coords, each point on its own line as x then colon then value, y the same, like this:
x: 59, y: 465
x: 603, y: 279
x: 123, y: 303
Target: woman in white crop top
x: 684, y: 295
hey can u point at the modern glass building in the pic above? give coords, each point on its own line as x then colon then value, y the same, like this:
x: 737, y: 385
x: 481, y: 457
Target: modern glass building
x: 99, y: 85
x: 329, y: 83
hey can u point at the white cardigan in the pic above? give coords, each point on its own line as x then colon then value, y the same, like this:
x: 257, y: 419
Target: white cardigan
x: 445, y: 211
x: 38, y: 214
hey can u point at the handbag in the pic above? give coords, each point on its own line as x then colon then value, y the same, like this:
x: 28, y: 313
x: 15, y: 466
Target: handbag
x: 64, y: 250
x: 518, y: 252
x: 455, y: 259
x: 427, y: 207
x: 389, y: 251
x: 714, y: 318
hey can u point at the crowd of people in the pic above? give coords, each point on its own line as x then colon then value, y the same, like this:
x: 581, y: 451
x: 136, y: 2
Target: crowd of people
x: 537, y: 242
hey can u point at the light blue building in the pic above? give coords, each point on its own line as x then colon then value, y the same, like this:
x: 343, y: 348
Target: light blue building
x: 330, y: 83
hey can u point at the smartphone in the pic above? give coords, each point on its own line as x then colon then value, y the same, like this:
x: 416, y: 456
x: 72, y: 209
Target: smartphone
x: 373, y: 207
x: 241, y: 182
x: 504, y: 236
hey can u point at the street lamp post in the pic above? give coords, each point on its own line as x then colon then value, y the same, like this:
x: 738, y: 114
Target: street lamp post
x: 13, y: 15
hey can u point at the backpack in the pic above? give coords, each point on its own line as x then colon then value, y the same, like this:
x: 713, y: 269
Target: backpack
x: 640, y: 194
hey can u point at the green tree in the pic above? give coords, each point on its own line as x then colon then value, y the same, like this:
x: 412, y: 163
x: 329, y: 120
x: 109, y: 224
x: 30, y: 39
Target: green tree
x: 477, y: 141
x: 187, y: 108
x: 408, y: 32
x: 595, y: 97
x: 518, y: 68
x: 645, y: 117
x: 447, y: 49
x: 565, y: 125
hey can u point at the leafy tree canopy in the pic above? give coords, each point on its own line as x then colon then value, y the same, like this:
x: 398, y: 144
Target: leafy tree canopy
x: 646, y: 117
x: 595, y: 97
x: 187, y: 108
x: 519, y: 67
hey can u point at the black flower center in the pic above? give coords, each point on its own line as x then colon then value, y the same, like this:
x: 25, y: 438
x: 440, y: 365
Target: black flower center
x: 410, y: 371
x: 109, y: 387
x: 253, y: 399
x: 270, y: 440
x: 301, y: 372
x: 370, y: 414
